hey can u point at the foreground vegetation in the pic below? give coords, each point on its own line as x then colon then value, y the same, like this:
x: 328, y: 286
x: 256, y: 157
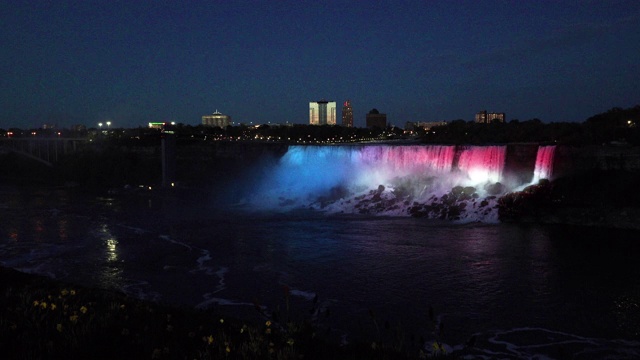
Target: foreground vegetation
x: 41, y: 318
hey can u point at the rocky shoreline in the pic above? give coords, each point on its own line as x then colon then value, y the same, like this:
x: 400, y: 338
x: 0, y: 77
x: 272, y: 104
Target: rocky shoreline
x: 606, y: 199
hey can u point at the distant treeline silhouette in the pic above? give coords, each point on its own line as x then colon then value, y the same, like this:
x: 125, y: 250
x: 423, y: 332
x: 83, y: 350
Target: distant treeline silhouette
x: 616, y: 126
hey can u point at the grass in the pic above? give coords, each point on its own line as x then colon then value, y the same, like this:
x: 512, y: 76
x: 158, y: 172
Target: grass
x: 42, y: 319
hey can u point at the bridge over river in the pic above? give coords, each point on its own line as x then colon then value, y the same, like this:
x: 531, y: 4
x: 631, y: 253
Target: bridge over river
x: 44, y: 150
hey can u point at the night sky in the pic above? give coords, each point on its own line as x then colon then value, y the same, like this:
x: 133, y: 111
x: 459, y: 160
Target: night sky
x: 131, y: 62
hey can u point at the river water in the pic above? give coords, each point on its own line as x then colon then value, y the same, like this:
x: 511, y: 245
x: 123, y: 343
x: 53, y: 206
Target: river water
x: 523, y: 291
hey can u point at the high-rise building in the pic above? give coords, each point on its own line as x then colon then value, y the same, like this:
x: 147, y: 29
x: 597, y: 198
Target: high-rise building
x: 485, y: 117
x: 347, y: 114
x: 322, y: 112
x: 217, y: 119
x: 375, y: 119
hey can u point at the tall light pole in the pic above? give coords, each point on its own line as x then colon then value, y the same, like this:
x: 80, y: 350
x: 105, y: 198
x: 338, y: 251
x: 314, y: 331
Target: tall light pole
x: 108, y: 124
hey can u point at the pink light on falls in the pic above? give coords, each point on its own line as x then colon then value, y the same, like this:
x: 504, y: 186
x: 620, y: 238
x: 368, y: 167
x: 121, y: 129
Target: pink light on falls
x: 544, y: 163
x: 482, y: 164
x: 402, y: 160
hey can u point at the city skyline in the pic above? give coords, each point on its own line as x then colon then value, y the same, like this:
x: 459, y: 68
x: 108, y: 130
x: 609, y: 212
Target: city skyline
x: 132, y: 63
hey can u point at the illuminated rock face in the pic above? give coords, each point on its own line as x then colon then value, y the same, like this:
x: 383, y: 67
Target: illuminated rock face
x: 448, y: 182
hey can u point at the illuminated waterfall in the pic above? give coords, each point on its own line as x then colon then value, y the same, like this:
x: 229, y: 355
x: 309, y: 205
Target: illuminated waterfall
x: 409, y: 159
x: 308, y: 171
x: 482, y: 163
x: 382, y: 179
x: 544, y: 163
x: 460, y: 183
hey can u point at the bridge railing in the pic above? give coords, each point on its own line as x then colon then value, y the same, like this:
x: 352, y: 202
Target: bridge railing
x: 45, y: 150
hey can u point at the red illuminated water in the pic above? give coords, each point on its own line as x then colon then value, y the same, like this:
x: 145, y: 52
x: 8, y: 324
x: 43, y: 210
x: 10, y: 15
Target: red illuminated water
x: 544, y: 163
x: 483, y: 163
x: 409, y: 158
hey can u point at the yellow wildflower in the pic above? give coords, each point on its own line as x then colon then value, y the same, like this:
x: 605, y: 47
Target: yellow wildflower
x: 72, y: 292
x: 290, y: 341
x: 43, y: 305
x: 210, y: 339
x: 64, y: 292
x: 122, y: 306
x: 53, y: 306
x: 268, y: 323
x: 36, y: 303
x: 83, y: 309
x: 228, y: 349
x: 73, y: 318
x: 59, y: 327
x: 221, y: 321
x: 437, y: 347
x: 268, y: 331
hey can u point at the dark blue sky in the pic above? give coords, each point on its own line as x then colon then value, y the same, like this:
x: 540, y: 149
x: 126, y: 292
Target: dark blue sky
x: 132, y: 62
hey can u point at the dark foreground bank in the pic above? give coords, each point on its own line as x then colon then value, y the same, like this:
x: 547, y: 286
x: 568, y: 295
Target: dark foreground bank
x: 44, y: 319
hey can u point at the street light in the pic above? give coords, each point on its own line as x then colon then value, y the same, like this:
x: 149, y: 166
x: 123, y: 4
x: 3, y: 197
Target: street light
x: 108, y: 124
x: 100, y: 125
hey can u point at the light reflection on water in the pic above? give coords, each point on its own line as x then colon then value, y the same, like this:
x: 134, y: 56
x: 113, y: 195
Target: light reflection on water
x: 110, y: 274
x: 110, y: 242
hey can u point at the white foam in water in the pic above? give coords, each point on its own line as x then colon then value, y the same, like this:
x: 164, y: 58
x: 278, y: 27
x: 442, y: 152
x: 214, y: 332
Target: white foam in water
x: 135, y: 289
x: 171, y: 240
x: 209, y: 300
x: 541, y: 344
x: 206, y: 256
x: 303, y: 294
x: 43, y: 260
x: 136, y: 230
x: 200, y: 261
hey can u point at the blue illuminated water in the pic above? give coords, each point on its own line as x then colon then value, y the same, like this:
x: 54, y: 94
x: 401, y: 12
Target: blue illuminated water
x: 524, y: 291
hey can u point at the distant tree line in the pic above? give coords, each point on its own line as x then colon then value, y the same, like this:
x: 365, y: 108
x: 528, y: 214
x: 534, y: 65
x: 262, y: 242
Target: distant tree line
x: 616, y: 126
